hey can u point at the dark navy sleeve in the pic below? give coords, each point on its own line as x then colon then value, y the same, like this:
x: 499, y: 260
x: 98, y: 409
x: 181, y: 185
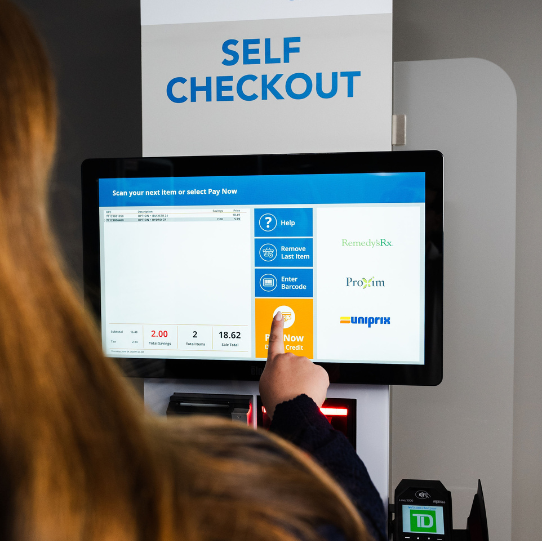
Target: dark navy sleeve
x: 301, y: 422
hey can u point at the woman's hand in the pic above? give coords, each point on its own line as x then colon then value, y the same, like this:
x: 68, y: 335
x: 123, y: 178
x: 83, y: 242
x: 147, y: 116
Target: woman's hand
x: 286, y: 375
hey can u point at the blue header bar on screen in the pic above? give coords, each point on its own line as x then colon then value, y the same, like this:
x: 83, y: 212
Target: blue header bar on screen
x: 328, y: 189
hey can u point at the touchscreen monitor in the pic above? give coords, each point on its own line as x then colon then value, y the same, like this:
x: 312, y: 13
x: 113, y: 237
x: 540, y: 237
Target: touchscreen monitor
x: 188, y: 260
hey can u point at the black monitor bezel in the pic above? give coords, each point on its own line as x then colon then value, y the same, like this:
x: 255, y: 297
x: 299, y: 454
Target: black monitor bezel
x: 429, y: 161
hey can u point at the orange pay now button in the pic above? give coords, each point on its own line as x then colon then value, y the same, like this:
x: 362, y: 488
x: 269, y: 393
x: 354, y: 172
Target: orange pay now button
x: 298, y: 325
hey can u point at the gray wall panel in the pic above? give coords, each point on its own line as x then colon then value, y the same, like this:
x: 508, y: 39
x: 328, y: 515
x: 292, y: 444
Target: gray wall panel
x: 462, y: 430
x: 508, y: 34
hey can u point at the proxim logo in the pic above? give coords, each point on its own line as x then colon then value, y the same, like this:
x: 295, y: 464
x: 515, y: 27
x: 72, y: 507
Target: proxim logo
x: 423, y: 521
x: 365, y: 283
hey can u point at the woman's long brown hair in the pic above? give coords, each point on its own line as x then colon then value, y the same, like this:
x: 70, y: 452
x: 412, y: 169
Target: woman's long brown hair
x: 79, y: 460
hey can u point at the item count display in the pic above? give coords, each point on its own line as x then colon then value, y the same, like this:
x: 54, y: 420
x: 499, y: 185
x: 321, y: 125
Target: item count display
x: 196, y: 267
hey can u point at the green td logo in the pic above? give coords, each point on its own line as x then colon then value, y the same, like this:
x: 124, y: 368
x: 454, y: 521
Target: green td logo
x: 423, y: 521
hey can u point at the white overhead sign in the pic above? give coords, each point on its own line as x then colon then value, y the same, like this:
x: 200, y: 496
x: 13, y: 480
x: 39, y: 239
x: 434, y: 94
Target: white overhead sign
x: 206, y: 11
x: 285, y: 76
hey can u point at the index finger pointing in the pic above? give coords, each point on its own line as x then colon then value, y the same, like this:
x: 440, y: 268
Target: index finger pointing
x: 276, y: 338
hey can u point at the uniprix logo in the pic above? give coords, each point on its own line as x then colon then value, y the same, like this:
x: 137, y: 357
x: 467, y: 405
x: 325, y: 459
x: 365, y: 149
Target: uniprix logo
x: 369, y: 321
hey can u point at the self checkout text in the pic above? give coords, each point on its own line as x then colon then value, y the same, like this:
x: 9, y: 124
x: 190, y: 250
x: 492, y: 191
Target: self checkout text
x: 251, y: 87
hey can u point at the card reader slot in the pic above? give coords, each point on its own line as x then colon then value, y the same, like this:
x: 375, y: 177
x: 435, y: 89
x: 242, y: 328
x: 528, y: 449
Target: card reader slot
x: 234, y: 407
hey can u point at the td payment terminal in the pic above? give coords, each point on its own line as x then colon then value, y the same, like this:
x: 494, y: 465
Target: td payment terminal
x: 423, y: 511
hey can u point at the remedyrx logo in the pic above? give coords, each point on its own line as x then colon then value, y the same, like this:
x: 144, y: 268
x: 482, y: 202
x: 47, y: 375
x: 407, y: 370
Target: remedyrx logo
x: 377, y: 243
x: 369, y: 321
x: 365, y: 283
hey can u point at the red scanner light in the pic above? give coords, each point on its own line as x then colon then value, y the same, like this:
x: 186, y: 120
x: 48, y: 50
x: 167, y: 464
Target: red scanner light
x: 329, y: 412
x: 339, y: 412
x: 334, y: 412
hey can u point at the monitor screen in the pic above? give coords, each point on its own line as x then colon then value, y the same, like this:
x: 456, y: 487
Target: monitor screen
x: 423, y: 519
x: 187, y: 260
x: 196, y: 267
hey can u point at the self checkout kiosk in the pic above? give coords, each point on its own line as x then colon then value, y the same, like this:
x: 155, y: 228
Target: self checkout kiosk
x: 270, y: 186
